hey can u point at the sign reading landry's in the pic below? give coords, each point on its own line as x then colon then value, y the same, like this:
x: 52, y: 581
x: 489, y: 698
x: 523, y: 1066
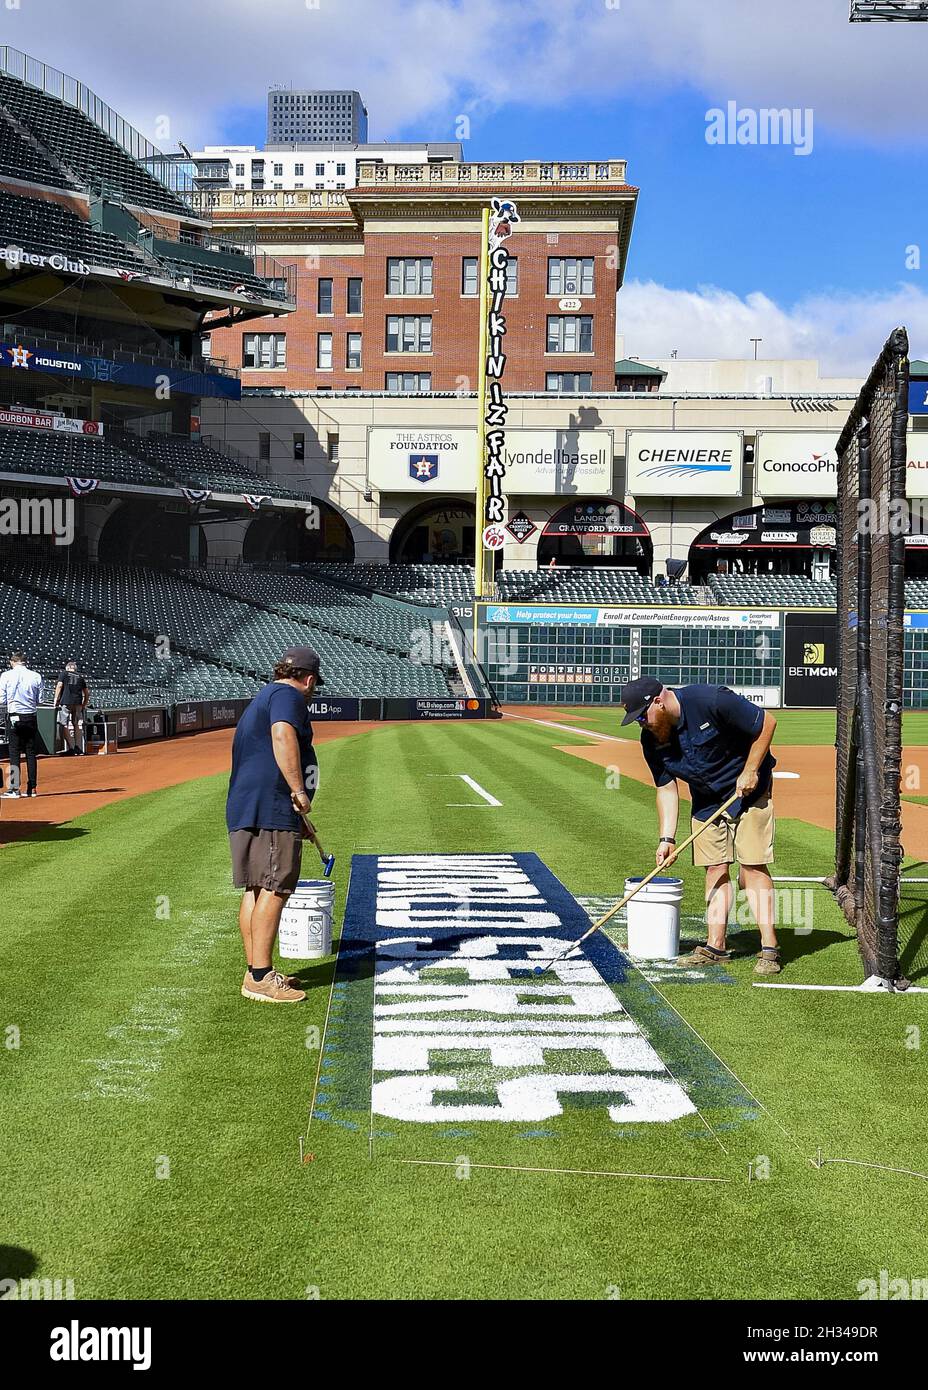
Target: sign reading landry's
x: 542, y: 463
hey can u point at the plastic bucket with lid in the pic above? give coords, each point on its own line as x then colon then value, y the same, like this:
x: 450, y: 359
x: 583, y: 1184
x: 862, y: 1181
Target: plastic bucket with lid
x: 306, y: 921
x: 653, y: 917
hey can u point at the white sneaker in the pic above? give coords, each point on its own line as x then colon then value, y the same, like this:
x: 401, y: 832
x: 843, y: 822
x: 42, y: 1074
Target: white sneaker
x: 10, y: 796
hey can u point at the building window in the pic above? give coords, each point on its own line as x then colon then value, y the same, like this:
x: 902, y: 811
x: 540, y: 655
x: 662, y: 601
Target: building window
x: 469, y: 285
x: 264, y: 447
x: 355, y: 295
x: 324, y: 297
x: 298, y: 171
x: 411, y: 333
x: 409, y: 381
x: 239, y: 171
x: 569, y: 382
x: 340, y: 171
x: 299, y: 446
x: 512, y: 277
x: 278, y: 171
x: 331, y: 447
x: 324, y: 351
x: 264, y: 350
x: 353, y: 354
x: 410, y: 275
x: 570, y: 334
x: 320, y: 170
x: 570, y: 275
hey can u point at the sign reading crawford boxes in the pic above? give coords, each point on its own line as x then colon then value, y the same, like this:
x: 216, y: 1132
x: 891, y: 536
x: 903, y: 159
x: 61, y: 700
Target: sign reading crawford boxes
x: 684, y: 463
x: 541, y: 463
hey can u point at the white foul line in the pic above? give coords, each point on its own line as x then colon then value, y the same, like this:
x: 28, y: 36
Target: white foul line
x: 475, y: 786
x: 842, y: 989
x: 570, y: 728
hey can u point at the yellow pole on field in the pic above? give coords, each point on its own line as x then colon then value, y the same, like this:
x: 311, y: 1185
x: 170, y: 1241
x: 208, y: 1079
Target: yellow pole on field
x: 480, y: 494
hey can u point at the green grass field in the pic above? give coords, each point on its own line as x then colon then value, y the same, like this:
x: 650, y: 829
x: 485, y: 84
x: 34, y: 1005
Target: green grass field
x: 151, y: 1116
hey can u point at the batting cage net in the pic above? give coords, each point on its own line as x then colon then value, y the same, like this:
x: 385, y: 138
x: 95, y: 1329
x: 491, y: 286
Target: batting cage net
x: 872, y: 526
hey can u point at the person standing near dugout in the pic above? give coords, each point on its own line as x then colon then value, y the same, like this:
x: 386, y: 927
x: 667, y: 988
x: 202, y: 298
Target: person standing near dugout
x: 718, y: 743
x: 274, y: 771
x: 71, y: 696
x: 20, y: 691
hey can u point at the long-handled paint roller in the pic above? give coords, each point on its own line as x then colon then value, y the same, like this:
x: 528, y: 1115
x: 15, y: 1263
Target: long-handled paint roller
x: 328, y: 860
x: 703, y: 825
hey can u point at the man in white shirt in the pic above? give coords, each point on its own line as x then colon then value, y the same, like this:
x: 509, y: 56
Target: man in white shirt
x: 20, y: 689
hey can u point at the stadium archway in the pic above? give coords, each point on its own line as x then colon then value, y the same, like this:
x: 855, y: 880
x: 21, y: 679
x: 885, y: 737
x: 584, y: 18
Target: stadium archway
x: 138, y: 533
x: 597, y: 531
x: 440, y: 530
x: 284, y: 537
x: 797, y: 538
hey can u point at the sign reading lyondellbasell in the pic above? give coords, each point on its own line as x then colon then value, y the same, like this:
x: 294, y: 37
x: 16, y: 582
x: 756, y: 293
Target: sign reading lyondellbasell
x: 684, y: 463
x: 538, y: 463
x: 796, y: 463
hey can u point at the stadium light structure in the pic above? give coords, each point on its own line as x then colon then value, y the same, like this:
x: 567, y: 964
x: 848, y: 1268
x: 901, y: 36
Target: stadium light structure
x: 875, y: 11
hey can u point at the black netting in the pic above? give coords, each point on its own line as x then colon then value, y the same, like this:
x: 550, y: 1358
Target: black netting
x: 872, y: 522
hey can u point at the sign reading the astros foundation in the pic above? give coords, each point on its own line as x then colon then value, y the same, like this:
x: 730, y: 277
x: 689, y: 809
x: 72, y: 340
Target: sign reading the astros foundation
x: 536, y: 462
x: 793, y: 463
x: 684, y: 463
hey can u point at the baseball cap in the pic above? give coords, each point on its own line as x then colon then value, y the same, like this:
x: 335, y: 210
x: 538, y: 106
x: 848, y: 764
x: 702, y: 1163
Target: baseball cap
x: 637, y: 696
x: 305, y: 659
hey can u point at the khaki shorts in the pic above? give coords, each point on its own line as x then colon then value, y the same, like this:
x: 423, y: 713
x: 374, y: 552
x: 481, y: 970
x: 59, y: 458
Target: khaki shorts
x: 747, y: 840
x: 266, y: 859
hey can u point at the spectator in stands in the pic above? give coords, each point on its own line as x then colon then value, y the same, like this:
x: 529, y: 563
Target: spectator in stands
x: 719, y: 743
x: 20, y: 689
x: 71, y: 696
x: 270, y: 793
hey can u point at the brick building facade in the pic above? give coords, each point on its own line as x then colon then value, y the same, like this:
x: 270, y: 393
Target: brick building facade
x: 387, y: 277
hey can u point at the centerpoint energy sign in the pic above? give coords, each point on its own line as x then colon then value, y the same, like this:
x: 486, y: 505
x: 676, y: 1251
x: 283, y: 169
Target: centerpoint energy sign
x: 684, y: 463
x: 796, y: 464
x: 537, y: 462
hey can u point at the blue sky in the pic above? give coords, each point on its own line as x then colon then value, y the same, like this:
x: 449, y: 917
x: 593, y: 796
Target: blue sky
x: 808, y: 252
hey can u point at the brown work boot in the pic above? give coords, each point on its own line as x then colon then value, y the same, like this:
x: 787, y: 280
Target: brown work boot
x: 705, y: 955
x: 768, y: 961
x: 273, y: 989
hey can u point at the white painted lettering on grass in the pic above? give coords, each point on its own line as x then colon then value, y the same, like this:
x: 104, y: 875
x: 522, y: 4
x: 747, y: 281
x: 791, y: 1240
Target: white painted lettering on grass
x: 474, y: 997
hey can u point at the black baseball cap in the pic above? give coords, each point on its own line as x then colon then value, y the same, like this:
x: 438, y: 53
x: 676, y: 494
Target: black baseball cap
x: 637, y: 696
x: 304, y: 659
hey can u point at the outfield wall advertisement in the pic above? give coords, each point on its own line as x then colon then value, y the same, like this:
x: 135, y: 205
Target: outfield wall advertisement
x: 796, y: 463
x: 538, y: 462
x: 684, y: 463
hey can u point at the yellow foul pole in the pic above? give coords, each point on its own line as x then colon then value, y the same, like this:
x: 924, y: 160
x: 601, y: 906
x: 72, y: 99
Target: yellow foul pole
x: 481, y: 482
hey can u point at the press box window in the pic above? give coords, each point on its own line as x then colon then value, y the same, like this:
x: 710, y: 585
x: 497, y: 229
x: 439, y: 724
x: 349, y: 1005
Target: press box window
x: 324, y: 297
x: 353, y: 351
x: 324, y: 351
x: 570, y: 334
x: 410, y: 275
x: 264, y: 350
x: 355, y: 295
x: 409, y: 334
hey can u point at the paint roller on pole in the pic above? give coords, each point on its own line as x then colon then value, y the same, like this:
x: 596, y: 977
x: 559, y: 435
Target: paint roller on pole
x: 328, y: 860
x: 703, y: 825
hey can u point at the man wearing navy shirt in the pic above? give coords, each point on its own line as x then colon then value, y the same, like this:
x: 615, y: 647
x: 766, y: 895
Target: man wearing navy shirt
x: 274, y: 770
x: 719, y: 743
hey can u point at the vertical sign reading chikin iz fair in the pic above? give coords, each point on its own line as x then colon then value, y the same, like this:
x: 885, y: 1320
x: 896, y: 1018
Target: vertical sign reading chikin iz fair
x: 503, y: 216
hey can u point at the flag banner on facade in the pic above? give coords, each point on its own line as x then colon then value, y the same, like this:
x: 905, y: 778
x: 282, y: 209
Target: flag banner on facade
x: 130, y: 275
x: 197, y: 495
x: 253, y: 500
x: 81, y: 487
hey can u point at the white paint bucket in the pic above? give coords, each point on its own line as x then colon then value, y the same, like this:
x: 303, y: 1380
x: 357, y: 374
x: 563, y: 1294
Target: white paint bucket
x: 654, y: 918
x: 306, y: 921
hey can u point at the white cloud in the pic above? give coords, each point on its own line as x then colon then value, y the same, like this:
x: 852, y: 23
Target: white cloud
x: 421, y: 62
x: 844, y: 332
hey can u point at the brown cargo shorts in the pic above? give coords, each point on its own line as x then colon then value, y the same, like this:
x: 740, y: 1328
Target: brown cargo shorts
x: 266, y: 859
x: 747, y: 840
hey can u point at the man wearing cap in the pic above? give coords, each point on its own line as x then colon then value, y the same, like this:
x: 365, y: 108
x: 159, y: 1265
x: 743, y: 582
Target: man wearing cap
x: 719, y: 743
x: 274, y: 775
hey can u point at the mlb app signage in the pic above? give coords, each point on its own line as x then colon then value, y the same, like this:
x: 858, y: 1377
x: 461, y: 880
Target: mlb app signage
x: 797, y: 463
x: 540, y: 463
x: 684, y: 463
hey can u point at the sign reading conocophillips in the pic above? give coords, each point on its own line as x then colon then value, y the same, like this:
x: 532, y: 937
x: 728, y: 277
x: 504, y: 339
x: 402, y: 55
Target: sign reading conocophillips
x: 791, y: 463
x: 684, y: 463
